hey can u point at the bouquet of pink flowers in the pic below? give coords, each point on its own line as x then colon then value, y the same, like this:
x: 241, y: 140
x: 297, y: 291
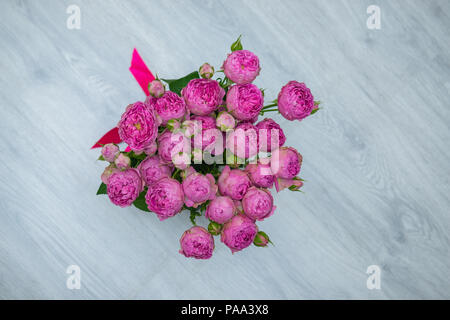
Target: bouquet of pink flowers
x: 199, y: 147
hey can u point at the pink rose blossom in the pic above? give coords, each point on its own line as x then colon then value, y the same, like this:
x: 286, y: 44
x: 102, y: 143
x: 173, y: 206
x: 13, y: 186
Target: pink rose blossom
x: 243, y: 141
x: 169, y: 106
x: 156, y: 88
x: 198, y: 188
x: 266, y: 129
x: 286, y: 162
x: 225, y: 121
x: 138, y: 126
x: 124, y: 187
x: 197, y: 243
x: 258, y: 204
x: 109, y: 170
x: 152, y: 169
x: 202, y: 96
x: 165, y: 198
x: 233, y: 183
x: 260, y: 174
x: 239, y: 232
x: 221, y: 209
x: 295, y: 101
x: 206, y: 71
x: 122, y: 161
x: 170, y: 144
x: 110, y: 151
x: 244, y: 101
x: 241, y: 66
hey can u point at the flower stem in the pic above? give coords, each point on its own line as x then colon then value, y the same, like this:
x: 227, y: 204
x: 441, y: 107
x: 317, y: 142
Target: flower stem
x: 269, y: 106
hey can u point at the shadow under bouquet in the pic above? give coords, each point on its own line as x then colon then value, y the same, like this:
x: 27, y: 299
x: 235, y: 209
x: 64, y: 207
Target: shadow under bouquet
x: 198, y: 147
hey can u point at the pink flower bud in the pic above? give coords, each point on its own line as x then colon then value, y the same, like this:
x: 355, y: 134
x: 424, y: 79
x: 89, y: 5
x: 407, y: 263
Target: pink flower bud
x: 206, y: 71
x: 233, y: 183
x: 225, y: 121
x: 295, y: 101
x: 110, y: 151
x: 261, y: 239
x: 241, y: 66
x: 109, y: 170
x: 239, y: 233
x: 156, y: 88
x: 198, y: 188
x: 122, y: 161
x: 286, y: 162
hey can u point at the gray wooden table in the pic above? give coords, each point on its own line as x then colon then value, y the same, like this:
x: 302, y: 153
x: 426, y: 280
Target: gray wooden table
x: 376, y: 158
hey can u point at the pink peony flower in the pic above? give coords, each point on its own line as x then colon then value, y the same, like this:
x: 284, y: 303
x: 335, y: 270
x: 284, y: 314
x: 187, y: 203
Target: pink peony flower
x: 295, y: 101
x: 165, y: 198
x: 109, y: 170
x: 206, y: 71
x: 233, y: 183
x: 244, y: 101
x: 122, y: 161
x: 225, y: 121
x: 169, y: 106
x: 170, y: 144
x: 286, y: 162
x: 202, y: 96
x: 124, y: 187
x: 243, y: 141
x: 197, y: 243
x: 181, y: 160
x: 261, y: 174
x: 238, y: 233
x: 267, y: 129
x: 110, y: 151
x: 152, y: 169
x: 138, y: 126
x: 221, y: 209
x: 258, y: 204
x: 151, y: 149
x: 241, y: 66
x: 156, y: 88
x: 198, y: 188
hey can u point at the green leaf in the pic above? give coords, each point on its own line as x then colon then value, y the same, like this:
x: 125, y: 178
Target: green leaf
x: 316, y: 103
x: 140, y: 202
x: 101, y: 158
x: 314, y: 111
x: 237, y: 45
x: 175, y: 85
x: 102, y: 189
x: 194, y: 214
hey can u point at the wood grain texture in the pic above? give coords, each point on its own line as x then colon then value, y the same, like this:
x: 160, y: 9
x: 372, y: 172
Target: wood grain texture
x: 376, y: 158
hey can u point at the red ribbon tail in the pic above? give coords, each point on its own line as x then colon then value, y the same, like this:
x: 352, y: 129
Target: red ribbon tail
x: 112, y: 136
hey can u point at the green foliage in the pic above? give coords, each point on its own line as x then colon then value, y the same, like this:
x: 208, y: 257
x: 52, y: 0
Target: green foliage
x: 140, y: 201
x: 237, y: 45
x: 102, y: 189
x: 175, y: 85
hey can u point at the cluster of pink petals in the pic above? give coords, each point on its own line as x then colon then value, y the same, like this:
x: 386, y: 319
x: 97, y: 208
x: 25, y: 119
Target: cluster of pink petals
x: 124, y: 187
x: 198, y: 188
x: 241, y: 66
x: 197, y: 243
x: 138, y: 126
x: 203, y: 96
x: 202, y: 119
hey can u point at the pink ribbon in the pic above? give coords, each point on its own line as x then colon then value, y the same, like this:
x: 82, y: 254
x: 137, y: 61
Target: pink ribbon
x: 143, y: 76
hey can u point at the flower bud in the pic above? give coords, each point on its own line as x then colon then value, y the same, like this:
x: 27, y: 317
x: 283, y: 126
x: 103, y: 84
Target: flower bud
x: 122, y: 161
x: 156, y: 88
x: 110, y: 151
x: 191, y: 128
x: 225, y: 121
x: 261, y: 239
x: 181, y: 160
x: 214, y: 228
x: 206, y: 71
x: 173, y: 125
x: 109, y: 170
